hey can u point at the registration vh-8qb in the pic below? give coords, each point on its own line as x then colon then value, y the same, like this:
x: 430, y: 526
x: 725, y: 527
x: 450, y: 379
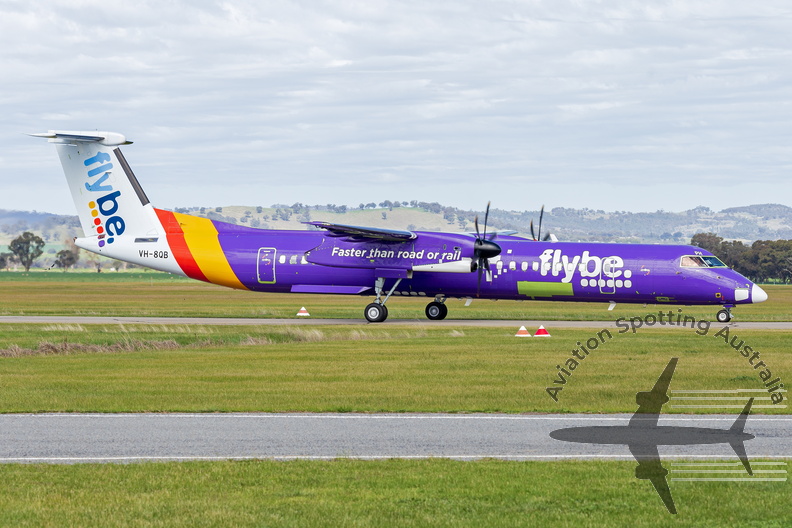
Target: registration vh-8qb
x: 119, y: 222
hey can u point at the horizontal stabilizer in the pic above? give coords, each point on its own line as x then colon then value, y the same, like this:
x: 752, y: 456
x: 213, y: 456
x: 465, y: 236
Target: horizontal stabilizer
x: 109, y: 139
x: 739, y: 424
x: 738, y: 443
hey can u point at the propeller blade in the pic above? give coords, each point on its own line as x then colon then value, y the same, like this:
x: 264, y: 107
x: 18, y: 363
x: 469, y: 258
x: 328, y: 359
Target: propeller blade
x: 533, y: 235
x: 483, y: 249
x: 541, y: 214
x: 486, y: 218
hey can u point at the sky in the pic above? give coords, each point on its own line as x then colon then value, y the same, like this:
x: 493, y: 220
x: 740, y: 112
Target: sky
x: 613, y: 105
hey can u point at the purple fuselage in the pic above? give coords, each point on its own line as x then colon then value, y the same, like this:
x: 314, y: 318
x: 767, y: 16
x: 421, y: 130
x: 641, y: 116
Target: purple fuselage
x: 318, y: 262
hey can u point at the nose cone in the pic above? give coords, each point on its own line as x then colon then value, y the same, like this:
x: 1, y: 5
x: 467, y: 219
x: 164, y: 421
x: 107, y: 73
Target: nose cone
x: 758, y: 294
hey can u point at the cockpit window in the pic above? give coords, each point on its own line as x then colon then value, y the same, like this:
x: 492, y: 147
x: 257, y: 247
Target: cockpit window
x: 690, y: 261
x: 701, y: 261
x: 713, y: 262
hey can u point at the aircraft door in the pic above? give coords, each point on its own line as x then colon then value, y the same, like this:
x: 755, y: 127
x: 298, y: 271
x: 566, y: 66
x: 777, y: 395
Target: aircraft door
x: 266, y: 265
x: 607, y: 278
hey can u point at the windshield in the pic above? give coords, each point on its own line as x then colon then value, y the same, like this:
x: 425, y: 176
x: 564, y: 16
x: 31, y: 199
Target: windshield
x: 713, y: 262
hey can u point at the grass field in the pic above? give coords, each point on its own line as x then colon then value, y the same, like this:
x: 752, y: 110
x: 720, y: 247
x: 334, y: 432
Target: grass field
x: 384, y: 493
x: 364, y: 369
x: 123, y: 368
x: 160, y: 294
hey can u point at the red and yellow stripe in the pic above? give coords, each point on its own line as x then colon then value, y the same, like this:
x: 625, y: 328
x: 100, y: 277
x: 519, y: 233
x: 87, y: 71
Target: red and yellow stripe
x: 195, y: 245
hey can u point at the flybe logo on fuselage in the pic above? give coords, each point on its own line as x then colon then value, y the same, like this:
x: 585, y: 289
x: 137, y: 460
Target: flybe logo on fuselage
x: 104, y: 208
x: 592, y: 270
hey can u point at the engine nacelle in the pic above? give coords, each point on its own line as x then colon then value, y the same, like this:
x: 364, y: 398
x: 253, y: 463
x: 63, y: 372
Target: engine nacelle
x: 465, y: 265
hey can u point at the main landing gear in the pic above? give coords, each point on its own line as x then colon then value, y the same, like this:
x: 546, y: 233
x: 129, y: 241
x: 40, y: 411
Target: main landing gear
x: 437, y: 310
x: 725, y: 315
x: 377, y: 312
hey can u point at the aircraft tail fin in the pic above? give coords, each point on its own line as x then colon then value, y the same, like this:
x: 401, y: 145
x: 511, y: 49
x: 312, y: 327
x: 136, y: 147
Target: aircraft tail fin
x: 110, y: 202
x: 738, y: 442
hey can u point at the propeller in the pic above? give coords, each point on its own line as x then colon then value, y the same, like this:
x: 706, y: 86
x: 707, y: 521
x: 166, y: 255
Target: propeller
x: 483, y: 248
x: 538, y: 236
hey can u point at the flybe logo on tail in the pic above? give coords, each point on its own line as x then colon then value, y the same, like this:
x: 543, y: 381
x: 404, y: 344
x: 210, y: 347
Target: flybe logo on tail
x: 104, y: 208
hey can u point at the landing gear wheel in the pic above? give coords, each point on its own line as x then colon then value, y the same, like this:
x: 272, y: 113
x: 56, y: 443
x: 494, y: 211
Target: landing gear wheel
x: 724, y: 316
x: 376, y: 313
x: 436, y: 311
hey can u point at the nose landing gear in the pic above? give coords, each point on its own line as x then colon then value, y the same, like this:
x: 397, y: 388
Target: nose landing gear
x: 376, y: 313
x: 725, y: 315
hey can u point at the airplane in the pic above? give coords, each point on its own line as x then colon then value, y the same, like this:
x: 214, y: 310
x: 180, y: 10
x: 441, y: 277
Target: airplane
x: 643, y: 436
x: 118, y: 221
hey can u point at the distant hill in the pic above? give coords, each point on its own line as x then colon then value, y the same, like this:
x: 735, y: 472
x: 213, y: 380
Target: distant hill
x: 51, y: 227
x: 747, y: 224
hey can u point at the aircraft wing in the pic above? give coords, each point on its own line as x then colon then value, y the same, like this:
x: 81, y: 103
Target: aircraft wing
x: 650, y: 468
x: 650, y: 403
x: 495, y: 234
x: 357, y: 233
x: 661, y: 487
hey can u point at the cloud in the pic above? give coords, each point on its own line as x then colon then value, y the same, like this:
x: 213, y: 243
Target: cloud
x: 618, y: 102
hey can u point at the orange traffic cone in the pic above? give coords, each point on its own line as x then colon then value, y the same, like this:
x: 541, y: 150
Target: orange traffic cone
x: 303, y: 312
x: 542, y: 332
x: 522, y: 332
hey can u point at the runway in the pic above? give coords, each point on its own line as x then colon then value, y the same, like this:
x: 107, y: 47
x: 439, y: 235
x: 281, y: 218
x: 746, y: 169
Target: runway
x: 124, y: 438
x: 305, y: 321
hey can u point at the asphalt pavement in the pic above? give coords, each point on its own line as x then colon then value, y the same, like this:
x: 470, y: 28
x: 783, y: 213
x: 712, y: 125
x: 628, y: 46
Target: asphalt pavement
x: 222, y: 321
x: 74, y: 438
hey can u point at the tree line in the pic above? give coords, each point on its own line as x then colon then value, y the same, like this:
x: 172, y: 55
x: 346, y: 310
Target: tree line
x: 28, y: 247
x: 762, y: 261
